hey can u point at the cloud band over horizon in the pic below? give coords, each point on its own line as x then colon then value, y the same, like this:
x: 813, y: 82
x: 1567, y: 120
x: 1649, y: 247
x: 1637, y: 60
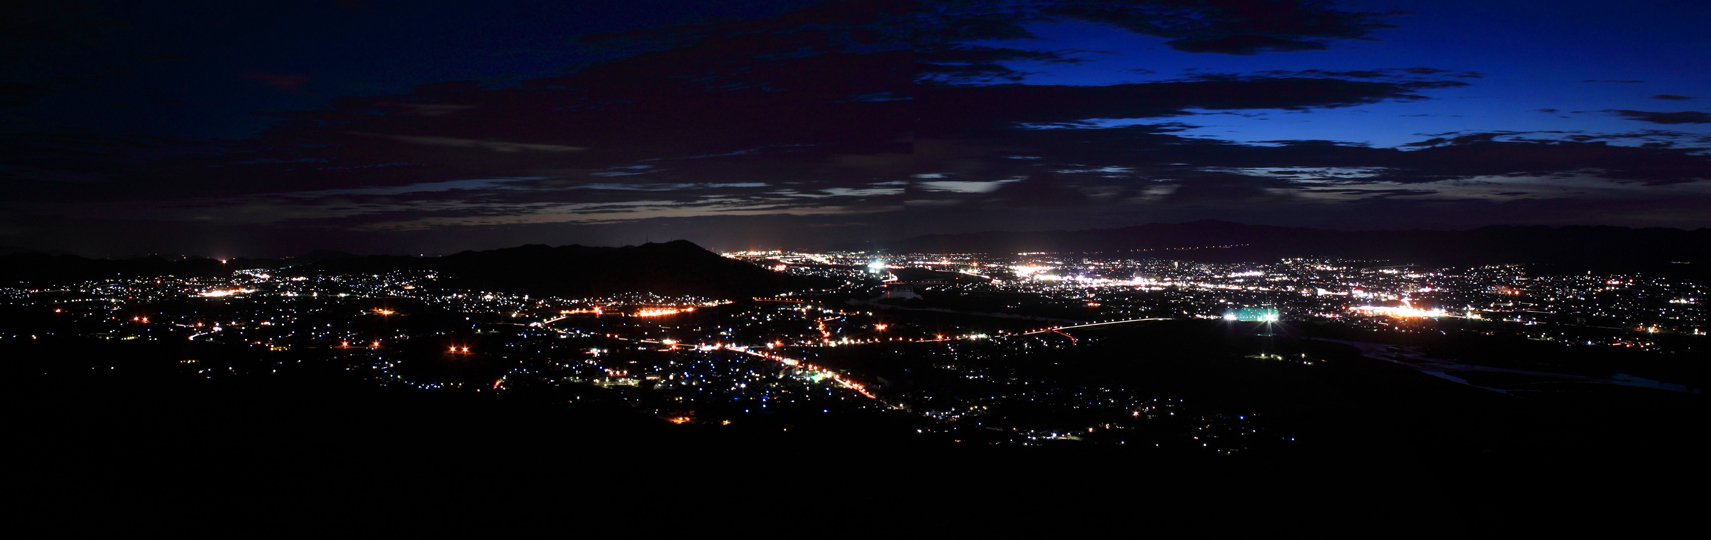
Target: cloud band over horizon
x: 809, y: 124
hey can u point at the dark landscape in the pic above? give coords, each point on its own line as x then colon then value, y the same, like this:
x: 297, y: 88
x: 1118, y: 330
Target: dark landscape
x: 887, y: 268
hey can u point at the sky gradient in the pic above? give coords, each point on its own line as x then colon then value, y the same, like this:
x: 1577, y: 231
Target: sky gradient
x: 271, y: 128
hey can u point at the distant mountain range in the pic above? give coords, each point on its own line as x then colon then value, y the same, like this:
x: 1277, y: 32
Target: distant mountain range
x: 51, y: 268
x: 674, y: 268
x: 681, y: 267
x: 1603, y: 248
x: 677, y: 267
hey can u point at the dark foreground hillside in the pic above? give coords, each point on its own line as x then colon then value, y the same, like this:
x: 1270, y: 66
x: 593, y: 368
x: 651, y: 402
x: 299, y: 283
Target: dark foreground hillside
x: 309, y: 448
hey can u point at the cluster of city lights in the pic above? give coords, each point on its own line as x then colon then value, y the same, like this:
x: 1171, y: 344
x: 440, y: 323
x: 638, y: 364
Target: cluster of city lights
x: 222, y: 293
x: 1401, y: 312
x: 819, y: 372
x: 661, y: 311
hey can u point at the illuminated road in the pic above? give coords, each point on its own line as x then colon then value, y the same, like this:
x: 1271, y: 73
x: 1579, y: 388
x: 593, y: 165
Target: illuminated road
x: 194, y: 336
x: 1050, y: 329
x: 823, y: 372
x: 1090, y: 325
x: 751, y: 351
x: 820, y: 326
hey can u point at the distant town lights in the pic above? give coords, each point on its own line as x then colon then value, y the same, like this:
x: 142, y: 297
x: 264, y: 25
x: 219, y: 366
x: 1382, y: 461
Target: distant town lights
x: 1401, y: 312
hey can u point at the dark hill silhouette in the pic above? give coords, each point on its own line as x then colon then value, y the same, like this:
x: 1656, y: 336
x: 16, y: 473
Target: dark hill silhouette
x: 677, y: 267
x: 318, y: 255
x: 674, y: 268
x: 1607, y: 248
x: 46, y: 268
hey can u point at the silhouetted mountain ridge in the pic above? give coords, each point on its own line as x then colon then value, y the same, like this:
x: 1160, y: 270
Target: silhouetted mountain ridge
x: 59, y: 268
x: 1599, y: 247
x: 675, y: 268
x: 319, y: 255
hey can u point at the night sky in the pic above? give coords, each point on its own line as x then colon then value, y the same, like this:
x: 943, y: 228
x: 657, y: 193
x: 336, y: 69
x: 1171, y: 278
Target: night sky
x: 268, y: 128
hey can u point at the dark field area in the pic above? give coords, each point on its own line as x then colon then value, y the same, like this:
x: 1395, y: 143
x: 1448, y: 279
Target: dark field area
x: 150, y: 442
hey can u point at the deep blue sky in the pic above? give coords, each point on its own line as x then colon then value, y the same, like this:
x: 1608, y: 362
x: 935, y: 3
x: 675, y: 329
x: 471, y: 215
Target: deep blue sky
x: 273, y: 127
x: 1532, y: 55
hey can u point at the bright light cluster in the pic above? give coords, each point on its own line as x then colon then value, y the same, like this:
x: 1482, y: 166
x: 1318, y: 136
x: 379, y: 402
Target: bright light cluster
x: 661, y: 311
x: 226, y: 292
x: 1028, y: 270
x: 1401, y: 312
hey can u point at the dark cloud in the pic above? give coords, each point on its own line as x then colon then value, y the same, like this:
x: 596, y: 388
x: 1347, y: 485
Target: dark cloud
x: 840, y: 95
x: 27, y: 24
x: 1238, y: 27
x: 1669, y: 97
x: 1159, y: 153
x: 1415, y: 73
x: 289, y: 83
x: 1482, y: 155
x: 821, y: 117
x: 164, y: 58
x: 1229, y: 187
x: 1039, y: 189
x: 948, y: 110
x: 1458, y: 139
x: 1612, y: 81
x: 17, y: 94
x: 1681, y: 117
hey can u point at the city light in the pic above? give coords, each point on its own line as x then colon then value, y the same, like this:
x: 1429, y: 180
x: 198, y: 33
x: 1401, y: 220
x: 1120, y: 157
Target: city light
x: 1401, y: 311
x: 835, y: 336
x: 225, y: 292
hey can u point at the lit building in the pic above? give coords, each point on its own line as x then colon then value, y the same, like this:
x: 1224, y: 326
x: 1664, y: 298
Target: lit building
x: 1252, y: 314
